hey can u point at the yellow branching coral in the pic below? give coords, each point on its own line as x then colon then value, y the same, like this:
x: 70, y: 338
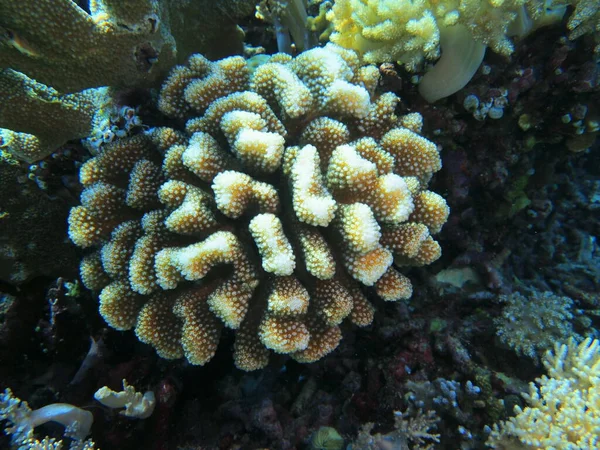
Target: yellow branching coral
x: 295, y: 189
x: 563, y: 409
x: 411, y: 32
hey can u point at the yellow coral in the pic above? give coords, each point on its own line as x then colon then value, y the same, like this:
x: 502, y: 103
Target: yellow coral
x: 411, y: 32
x: 564, y: 407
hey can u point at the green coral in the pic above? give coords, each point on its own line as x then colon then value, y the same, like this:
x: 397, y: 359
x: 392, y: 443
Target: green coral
x: 326, y: 438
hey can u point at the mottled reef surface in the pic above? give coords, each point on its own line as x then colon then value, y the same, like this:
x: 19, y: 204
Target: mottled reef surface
x: 521, y: 174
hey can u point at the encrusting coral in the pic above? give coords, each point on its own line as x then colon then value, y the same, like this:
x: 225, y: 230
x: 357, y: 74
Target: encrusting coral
x: 53, y: 54
x: 563, y: 409
x: 293, y: 189
x: 531, y: 325
x: 37, y: 119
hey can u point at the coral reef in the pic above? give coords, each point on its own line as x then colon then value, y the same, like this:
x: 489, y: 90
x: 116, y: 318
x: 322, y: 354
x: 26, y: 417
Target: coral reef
x: 562, y: 409
x: 308, y: 175
x: 262, y: 240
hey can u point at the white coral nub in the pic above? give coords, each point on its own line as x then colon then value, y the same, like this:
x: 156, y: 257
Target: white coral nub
x: 136, y: 405
x: 312, y: 202
x: 276, y: 251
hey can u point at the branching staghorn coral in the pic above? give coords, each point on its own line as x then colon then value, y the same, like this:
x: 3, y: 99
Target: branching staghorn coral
x: 563, y: 409
x: 287, y: 198
x: 411, y: 32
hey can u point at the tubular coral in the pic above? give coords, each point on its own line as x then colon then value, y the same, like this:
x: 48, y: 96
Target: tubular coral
x: 285, y: 183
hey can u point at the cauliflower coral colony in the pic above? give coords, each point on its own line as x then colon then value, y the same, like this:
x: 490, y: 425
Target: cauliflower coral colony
x: 411, y: 32
x: 294, y: 194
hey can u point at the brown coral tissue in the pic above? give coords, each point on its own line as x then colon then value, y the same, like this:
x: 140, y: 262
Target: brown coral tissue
x: 292, y: 192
